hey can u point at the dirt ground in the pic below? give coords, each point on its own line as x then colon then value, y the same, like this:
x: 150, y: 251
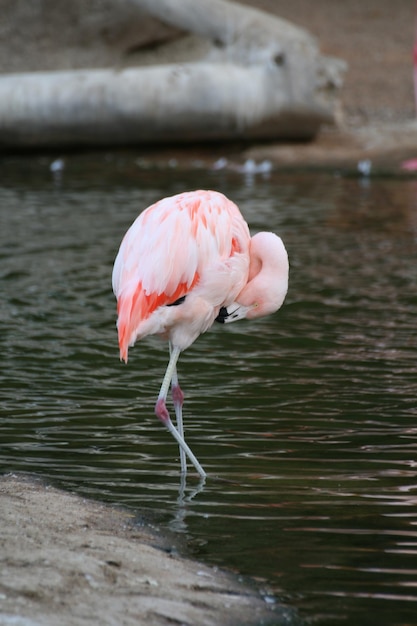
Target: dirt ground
x: 68, y: 561
x: 376, y: 39
x: 378, y: 113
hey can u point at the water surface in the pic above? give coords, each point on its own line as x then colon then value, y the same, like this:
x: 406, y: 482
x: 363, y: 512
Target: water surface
x: 305, y: 421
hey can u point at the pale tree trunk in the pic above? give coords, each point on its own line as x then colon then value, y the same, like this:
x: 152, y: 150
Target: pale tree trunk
x: 261, y: 78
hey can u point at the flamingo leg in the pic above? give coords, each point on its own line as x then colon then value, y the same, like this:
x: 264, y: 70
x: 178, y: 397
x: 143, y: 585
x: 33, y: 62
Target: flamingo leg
x: 178, y: 399
x: 162, y: 411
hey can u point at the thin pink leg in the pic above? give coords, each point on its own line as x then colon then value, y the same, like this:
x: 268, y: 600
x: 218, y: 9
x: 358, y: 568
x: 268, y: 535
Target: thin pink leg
x: 161, y: 411
x: 178, y: 399
x: 177, y: 394
x: 163, y: 414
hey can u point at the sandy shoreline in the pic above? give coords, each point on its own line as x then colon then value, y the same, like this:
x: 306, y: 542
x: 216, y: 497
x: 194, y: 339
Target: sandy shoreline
x: 67, y: 560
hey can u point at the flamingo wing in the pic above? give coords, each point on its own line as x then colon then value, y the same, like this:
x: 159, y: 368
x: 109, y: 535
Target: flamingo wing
x: 166, y: 250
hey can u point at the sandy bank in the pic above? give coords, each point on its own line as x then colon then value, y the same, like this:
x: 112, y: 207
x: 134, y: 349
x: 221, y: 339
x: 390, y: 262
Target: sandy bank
x: 70, y: 561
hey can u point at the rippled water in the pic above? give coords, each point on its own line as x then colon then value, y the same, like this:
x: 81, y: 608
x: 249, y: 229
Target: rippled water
x: 304, y: 421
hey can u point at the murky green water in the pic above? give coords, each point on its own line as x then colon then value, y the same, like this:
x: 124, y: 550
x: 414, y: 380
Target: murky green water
x: 304, y: 421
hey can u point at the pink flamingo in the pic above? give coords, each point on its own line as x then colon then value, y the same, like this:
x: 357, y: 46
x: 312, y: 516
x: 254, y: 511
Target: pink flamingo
x: 185, y: 262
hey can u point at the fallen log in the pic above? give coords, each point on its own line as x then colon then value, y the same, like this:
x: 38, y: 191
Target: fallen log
x: 261, y: 78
